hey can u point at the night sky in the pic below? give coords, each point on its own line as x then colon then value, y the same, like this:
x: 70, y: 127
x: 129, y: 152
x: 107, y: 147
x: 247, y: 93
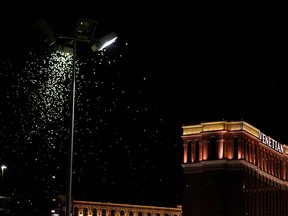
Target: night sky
x: 171, y: 65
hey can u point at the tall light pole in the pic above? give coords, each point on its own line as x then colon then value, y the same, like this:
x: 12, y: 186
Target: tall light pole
x: 84, y: 32
x: 70, y: 152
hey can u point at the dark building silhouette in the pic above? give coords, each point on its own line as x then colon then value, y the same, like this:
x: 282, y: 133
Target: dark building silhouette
x: 233, y: 169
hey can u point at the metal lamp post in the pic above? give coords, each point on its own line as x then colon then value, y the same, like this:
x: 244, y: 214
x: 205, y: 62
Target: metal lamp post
x: 84, y: 32
x: 70, y: 152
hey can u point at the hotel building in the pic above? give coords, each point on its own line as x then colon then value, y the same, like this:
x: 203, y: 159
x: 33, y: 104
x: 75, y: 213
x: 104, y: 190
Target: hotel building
x: 233, y: 169
x: 88, y: 208
x: 84, y: 208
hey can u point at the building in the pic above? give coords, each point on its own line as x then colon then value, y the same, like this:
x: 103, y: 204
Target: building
x: 84, y: 208
x: 88, y: 208
x: 5, y: 202
x: 233, y: 169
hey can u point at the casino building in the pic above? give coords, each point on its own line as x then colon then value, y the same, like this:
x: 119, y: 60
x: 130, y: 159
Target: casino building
x: 84, y: 208
x: 88, y: 208
x: 233, y: 169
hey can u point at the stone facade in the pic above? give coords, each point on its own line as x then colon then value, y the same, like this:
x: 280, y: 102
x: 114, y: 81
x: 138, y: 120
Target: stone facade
x: 85, y: 208
x: 233, y: 169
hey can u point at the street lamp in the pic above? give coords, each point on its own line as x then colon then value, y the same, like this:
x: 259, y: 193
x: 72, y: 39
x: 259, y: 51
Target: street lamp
x: 84, y: 32
x: 3, y: 167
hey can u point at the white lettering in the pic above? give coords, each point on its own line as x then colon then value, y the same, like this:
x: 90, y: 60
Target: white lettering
x: 266, y: 140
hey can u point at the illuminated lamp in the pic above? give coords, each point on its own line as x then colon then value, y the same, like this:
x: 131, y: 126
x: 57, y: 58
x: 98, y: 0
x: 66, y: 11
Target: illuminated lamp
x: 103, y: 42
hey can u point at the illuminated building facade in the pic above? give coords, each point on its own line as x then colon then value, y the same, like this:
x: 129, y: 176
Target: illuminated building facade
x: 88, y: 208
x: 84, y: 208
x: 233, y: 169
x: 5, y: 204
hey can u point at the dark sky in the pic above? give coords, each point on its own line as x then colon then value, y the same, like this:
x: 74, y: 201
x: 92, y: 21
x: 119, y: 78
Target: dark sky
x: 172, y: 64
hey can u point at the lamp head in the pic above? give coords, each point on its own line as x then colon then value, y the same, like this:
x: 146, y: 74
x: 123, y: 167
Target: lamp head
x: 85, y: 29
x: 45, y: 32
x: 103, y: 42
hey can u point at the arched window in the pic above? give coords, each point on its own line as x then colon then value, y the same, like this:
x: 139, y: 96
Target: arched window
x: 94, y: 212
x: 246, y: 150
x: 85, y: 212
x: 149, y: 214
x: 197, y: 149
x: 212, y: 148
x: 189, y: 148
x: 103, y: 212
x: 76, y: 211
x: 236, y: 147
x: 122, y: 213
x: 157, y: 214
x: 140, y: 213
x: 166, y: 214
x: 112, y: 212
x: 131, y: 213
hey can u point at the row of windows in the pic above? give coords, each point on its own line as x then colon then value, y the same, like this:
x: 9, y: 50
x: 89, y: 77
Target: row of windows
x: 261, y: 195
x: 212, y: 149
x: 104, y: 212
x: 249, y: 151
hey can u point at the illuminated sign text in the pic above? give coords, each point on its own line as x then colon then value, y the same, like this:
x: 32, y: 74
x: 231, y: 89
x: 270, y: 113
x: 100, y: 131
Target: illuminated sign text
x: 266, y: 140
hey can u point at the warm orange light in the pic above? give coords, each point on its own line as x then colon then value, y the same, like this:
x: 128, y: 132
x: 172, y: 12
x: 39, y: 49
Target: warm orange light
x: 220, y: 150
x: 185, y: 154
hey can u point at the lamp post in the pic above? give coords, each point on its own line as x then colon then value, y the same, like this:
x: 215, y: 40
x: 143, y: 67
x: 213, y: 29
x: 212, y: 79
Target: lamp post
x: 70, y: 152
x: 84, y: 32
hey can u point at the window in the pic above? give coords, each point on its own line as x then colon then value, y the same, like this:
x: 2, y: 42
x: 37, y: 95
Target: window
x: 212, y: 148
x: 197, y: 149
x: 189, y: 152
x: 76, y: 211
x: 131, y: 213
x: 122, y: 213
x: 94, y: 212
x: 112, y: 212
x: 236, y: 146
x: 103, y: 212
x: 85, y: 212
